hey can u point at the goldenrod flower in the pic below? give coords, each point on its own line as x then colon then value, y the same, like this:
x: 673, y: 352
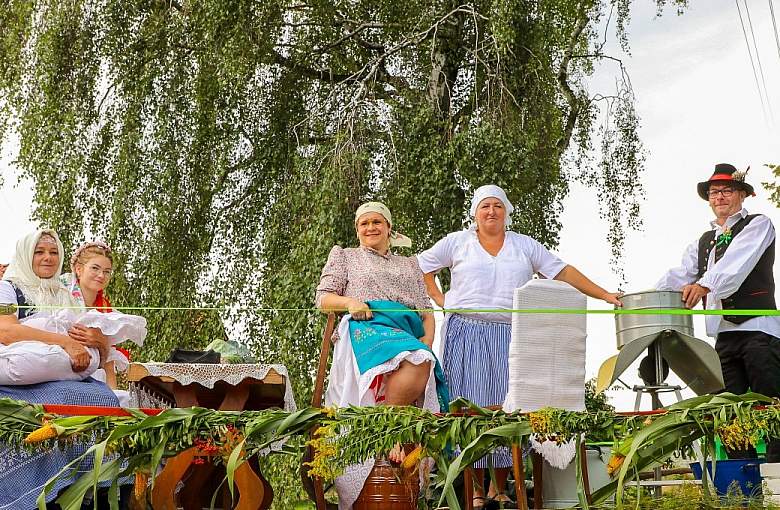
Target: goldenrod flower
x: 742, y: 432
x: 323, y: 432
x: 325, y: 452
x: 541, y: 422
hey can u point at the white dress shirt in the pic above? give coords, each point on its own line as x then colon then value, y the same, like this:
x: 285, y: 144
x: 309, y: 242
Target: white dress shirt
x: 724, y: 277
x: 480, y: 280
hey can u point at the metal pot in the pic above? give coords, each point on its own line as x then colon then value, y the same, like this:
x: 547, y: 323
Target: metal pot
x: 694, y: 361
x: 631, y: 327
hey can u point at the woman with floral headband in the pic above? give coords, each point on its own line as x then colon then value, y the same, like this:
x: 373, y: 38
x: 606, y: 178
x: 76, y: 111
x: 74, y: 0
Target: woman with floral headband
x: 92, y: 266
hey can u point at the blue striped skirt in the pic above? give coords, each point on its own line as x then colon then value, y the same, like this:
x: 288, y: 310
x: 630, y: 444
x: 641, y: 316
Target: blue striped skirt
x: 476, y: 364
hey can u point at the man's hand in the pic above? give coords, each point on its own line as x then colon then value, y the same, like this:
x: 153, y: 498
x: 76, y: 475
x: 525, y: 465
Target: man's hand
x: 91, y: 337
x: 359, y: 310
x: 692, y: 294
x: 79, y: 357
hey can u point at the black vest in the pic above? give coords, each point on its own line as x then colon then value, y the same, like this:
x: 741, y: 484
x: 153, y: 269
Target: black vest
x: 21, y: 313
x: 757, y: 292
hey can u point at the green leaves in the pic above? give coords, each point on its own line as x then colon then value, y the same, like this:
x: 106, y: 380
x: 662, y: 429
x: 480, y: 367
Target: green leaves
x: 352, y: 435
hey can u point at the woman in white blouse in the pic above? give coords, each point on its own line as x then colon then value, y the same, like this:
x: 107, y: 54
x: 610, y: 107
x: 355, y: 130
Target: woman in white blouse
x: 487, y: 263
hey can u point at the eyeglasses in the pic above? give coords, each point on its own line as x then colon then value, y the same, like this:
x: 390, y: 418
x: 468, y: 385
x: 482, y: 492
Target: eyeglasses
x: 726, y: 192
x: 93, y: 269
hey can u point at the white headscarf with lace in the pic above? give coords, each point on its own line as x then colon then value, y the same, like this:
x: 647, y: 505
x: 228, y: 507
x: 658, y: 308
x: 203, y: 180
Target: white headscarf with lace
x: 43, y: 292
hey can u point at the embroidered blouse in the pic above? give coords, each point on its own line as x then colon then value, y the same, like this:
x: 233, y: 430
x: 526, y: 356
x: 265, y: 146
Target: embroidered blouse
x: 365, y: 274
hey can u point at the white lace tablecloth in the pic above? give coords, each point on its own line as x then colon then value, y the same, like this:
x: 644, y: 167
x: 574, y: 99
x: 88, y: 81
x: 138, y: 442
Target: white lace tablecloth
x: 206, y: 374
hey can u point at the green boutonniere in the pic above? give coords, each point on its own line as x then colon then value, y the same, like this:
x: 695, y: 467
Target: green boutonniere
x: 725, y: 238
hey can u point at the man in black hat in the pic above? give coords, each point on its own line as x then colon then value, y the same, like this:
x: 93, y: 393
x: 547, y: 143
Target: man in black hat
x: 730, y: 268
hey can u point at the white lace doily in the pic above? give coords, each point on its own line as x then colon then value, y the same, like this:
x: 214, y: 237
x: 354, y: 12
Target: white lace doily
x: 208, y: 374
x: 557, y: 455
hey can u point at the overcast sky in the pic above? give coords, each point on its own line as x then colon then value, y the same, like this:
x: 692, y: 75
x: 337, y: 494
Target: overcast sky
x: 699, y: 105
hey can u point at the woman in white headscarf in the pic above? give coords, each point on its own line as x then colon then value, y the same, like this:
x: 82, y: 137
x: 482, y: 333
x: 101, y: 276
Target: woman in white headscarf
x: 32, y: 283
x: 487, y: 262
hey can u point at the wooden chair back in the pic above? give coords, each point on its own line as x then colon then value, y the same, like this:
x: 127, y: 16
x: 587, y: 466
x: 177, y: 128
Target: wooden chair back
x: 316, y: 401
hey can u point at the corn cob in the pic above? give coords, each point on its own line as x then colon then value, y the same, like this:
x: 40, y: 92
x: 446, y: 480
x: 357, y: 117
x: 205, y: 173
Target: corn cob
x: 47, y: 431
x: 614, y: 463
x: 139, y: 488
x: 412, y: 459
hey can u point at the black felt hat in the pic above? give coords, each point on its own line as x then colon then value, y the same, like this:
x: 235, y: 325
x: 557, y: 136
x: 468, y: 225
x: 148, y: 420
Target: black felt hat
x: 725, y: 174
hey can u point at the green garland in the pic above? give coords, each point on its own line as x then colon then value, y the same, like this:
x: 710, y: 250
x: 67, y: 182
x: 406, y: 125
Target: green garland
x: 351, y: 435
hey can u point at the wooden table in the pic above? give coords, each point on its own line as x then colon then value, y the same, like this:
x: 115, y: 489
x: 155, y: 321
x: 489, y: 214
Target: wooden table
x: 250, y: 394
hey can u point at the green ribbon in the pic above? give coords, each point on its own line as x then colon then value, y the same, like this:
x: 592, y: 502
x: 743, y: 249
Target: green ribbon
x: 10, y: 309
x: 725, y: 238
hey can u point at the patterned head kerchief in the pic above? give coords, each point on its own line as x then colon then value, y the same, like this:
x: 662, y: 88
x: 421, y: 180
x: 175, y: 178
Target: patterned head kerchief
x: 396, y: 239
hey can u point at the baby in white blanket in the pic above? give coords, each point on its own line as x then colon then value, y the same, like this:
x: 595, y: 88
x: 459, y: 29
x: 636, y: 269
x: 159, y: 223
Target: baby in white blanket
x: 32, y: 362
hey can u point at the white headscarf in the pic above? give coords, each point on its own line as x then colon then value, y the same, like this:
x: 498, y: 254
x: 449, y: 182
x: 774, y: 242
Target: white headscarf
x: 490, y: 191
x: 396, y: 239
x: 38, y: 291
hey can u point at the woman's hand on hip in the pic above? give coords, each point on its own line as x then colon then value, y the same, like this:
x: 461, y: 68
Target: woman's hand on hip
x: 359, y: 310
x: 79, y: 357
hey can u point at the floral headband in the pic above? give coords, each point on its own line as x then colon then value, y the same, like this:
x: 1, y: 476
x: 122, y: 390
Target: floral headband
x: 80, y: 250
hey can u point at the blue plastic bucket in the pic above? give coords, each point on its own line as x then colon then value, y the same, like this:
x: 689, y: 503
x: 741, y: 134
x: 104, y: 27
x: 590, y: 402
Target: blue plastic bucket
x: 744, y: 471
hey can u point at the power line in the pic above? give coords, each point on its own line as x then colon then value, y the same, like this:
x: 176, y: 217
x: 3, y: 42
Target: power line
x: 758, y: 60
x: 774, y: 25
x: 752, y: 64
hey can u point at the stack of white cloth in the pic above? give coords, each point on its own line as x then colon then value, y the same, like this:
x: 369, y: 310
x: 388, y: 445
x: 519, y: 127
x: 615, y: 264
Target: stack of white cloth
x: 547, y: 358
x: 547, y: 352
